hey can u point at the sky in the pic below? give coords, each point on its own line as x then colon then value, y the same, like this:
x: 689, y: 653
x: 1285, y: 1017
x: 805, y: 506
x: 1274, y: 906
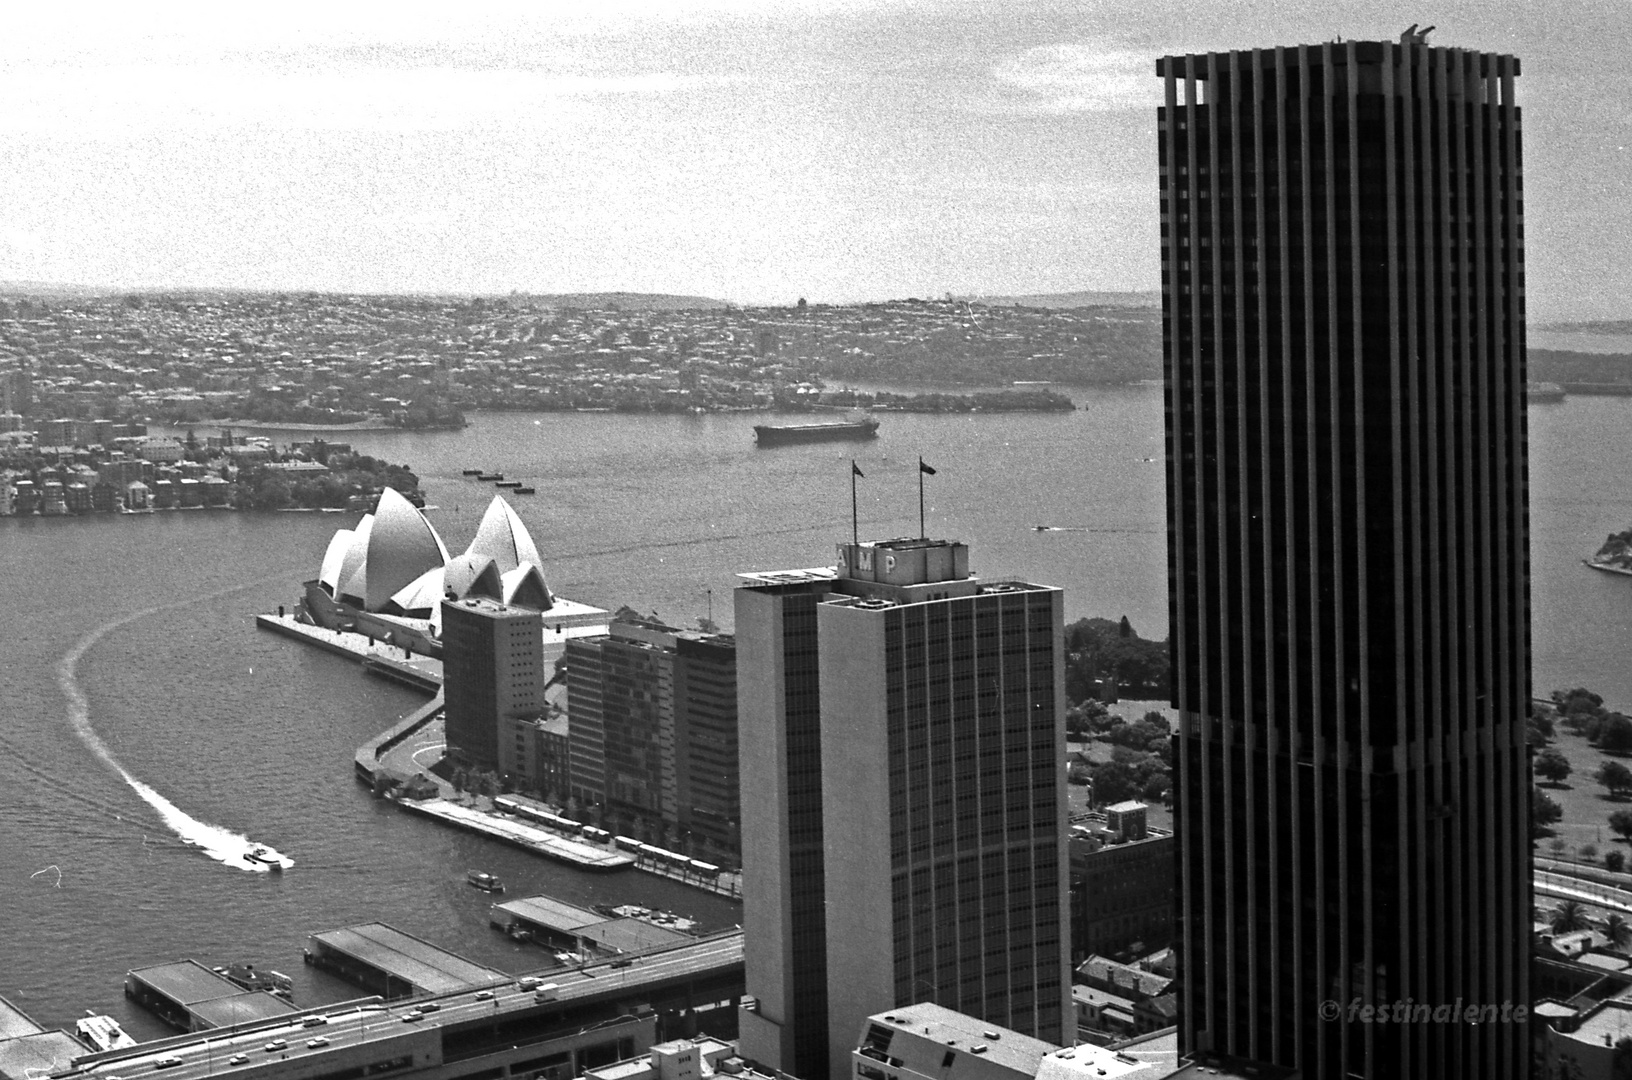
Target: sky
x: 739, y: 149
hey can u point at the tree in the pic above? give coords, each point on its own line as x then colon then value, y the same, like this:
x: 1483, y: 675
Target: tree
x: 1589, y: 852
x: 1568, y: 915
x: 1615, y: 734
x: 1114, y: 782
x: 1543, y: 812
x: 1614, y: 860
x: 1616, y: 777
x: 1552, y: 765
x: 1620, y: 823
x: 1617, y: 929
x: 1578, y: 700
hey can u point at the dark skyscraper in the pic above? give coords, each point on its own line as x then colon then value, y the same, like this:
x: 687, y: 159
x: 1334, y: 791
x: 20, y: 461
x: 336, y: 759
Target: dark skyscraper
x: 1343, y: 289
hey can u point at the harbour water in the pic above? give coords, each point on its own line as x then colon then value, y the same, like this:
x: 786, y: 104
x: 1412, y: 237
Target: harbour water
x: 147, y: 722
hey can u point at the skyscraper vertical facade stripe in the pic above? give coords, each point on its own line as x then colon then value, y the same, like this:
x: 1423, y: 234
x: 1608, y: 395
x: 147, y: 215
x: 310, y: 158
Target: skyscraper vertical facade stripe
x: 1342, y: 246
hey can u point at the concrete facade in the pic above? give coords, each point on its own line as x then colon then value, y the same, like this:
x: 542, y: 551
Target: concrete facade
x: 493, y: 670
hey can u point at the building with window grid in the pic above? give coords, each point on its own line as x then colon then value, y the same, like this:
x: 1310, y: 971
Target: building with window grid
x: 931, y: 796
x: 493, y: 670
x: 1343, y: 291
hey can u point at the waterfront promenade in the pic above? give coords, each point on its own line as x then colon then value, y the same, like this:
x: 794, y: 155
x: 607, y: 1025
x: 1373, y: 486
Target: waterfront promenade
x: 377, y: 656
x: 409, y: 748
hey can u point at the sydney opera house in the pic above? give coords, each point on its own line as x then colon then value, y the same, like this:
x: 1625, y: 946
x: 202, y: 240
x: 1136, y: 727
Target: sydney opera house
x: 388, y: 576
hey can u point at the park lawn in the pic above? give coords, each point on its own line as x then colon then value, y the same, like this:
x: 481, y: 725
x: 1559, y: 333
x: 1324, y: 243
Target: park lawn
x: 1585, y: 802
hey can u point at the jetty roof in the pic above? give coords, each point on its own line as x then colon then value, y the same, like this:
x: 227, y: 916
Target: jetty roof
x: 14, y: 1022
x: 551, y: 914
x: 186, y: 981
x: 423, y: 965
x: 240, y: 1008
x: 39, y: 1054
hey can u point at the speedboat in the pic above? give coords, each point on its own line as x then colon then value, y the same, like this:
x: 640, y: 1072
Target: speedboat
x: 264, y: 856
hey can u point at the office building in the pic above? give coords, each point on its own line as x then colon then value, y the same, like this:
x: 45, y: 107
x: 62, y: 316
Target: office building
x: 653, y: 732
x: 493, y: 671
x: 1121, y: 891
x: 784, y: 1022
x: 917, y: 710
x: 1343, y: 293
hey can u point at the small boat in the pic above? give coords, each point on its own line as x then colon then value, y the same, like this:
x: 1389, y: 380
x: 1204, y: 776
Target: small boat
x: 471, y: 472
x: 508, y: 484
x: 516, y: 932
x: 264, y: 856
x: 525, y: 491
x: 485, y: 882
x: 490, y: 476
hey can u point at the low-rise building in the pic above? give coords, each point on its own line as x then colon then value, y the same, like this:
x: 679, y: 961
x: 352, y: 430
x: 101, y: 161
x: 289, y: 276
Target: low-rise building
x: 681, y: 1059
x: 1122, y: 883
x: 930, y: 1042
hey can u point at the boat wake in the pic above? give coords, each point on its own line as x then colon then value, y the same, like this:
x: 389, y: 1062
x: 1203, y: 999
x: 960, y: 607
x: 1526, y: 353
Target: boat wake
x: 219, y: 843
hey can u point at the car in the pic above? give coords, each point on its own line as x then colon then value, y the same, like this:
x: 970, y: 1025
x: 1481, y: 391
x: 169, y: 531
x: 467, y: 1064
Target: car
x: 622, y: 961
x: 317, y: 1043
x: 429, y: 1007
x: 275, y: 1045
x: 238, y: 1059
x: 314, y: 1021
x: 484, y: 995
x: 412, y: 1016
x: 167, y: 1063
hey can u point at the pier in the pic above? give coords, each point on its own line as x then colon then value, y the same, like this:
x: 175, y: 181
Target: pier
x: 189, y: 996
x: 386, y: 961
x: 377, y: 656
x: 518, y: 834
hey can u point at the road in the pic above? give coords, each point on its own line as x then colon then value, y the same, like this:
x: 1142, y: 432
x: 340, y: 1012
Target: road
x: 207, y: 1054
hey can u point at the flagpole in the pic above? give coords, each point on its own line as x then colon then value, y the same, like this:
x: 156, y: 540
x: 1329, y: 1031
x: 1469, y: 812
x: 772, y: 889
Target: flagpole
x: 855, y: 533
x: 921, y: 533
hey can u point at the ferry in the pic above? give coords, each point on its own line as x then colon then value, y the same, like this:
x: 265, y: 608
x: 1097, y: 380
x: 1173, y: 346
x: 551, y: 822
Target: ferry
x: 103, y: 1032
x: 783, y: 434
x: 485, y: 882
x: 264, y: 856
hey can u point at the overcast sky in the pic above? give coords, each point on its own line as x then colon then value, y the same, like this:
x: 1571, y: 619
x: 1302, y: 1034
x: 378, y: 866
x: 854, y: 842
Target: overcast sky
x: 754, y: 152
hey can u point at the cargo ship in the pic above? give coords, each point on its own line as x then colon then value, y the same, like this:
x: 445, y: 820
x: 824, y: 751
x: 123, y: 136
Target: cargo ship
x: 782, y: 434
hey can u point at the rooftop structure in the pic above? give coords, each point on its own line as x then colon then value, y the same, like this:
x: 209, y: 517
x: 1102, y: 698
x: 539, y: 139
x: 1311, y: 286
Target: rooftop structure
x: 931, y: 1042
x: 682, y: 1059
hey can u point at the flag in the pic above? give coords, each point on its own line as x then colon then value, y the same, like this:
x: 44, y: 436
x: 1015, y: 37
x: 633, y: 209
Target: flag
x: 925, y: 468
x: 856, y: 470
